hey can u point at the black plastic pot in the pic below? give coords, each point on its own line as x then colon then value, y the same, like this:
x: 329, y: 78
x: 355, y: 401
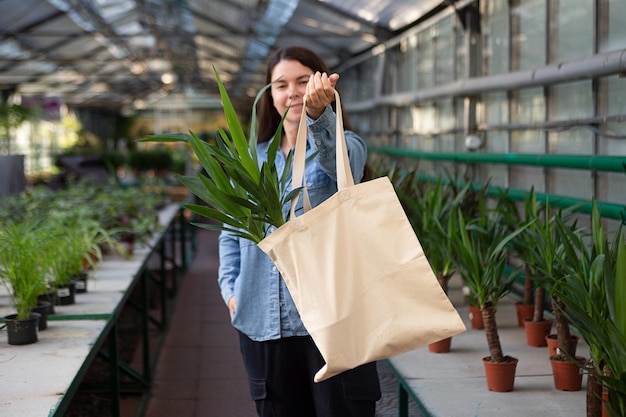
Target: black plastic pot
x: 81, y: 282
x: 22, y: 331
x: 66, y: 294
x: 49, y: 297
x: 42, y: 308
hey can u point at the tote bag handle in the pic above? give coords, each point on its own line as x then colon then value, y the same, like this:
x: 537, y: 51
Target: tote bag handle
x: 344, y: 173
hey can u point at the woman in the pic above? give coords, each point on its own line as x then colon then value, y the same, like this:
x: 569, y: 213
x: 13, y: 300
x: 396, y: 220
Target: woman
x: 279, y: 355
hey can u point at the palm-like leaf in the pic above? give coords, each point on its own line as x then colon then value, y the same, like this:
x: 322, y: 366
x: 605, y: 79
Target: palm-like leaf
x: 480, y: 256
x: 244, y: 196
x: 593, y: 292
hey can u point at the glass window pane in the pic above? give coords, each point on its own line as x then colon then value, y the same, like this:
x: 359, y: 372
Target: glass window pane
x: 529, y: 34
x: 496, y: 42
x: 612, y: 25
x: 497, y: 109
x: 571, y: 101
x: 445, y: 115
x: 461, y: 54
x: 527, y: 177
x: 444, y: 50
x: 571, y: 29
x: 528, y: 106
x: 425, y: 64
x: 612, y: 137
x: 570, y: 182
x: 408, y: 63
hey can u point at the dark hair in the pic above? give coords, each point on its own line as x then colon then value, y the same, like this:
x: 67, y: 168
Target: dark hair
x: 268, y: 117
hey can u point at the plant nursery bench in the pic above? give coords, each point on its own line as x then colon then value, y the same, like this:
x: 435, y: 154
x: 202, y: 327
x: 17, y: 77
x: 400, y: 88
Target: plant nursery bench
x: 41, y: 379
x: 453, y: 384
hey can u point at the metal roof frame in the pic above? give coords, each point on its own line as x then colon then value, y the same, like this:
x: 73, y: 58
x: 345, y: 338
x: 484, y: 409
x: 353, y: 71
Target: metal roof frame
x: 118, y: 53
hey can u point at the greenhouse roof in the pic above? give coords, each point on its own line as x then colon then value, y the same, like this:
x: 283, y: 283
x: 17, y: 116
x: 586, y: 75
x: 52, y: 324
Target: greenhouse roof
x: 128, y: 54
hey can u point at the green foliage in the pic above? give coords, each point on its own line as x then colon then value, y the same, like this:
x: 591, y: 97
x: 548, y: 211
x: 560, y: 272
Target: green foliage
x: 24, y: 263
x: 480, y: 253
x: 431, y: 209
x: 11, y: 117
x: 593, y: 290
x: 113, y: 160
x: 244, y: 196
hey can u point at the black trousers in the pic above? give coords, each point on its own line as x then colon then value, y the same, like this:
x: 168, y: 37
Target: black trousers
x: 280, y: 374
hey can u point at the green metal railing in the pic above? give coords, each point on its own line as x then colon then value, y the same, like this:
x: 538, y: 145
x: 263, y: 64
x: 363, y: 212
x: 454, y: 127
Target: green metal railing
x: 583, y: 162
x: 588, y: 162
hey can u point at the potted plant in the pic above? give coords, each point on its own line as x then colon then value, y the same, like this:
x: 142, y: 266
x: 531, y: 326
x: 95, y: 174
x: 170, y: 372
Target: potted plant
x: 82, y: 249
x: 594, y: 295
x: 480, y: 255
x: 548, y: 253
x: 542, y: 253
x: 523, y: 245
x: 22, y: 269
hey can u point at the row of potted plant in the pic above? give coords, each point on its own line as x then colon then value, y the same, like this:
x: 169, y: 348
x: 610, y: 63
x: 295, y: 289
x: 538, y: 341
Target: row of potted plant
x: 49, y: 239
x: 573, y: 271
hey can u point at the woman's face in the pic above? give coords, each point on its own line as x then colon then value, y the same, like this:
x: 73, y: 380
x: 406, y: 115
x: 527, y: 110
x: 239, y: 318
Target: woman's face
x: 290, y: 80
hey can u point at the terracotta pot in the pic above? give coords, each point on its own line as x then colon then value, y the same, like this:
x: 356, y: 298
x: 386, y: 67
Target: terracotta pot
x: 476, y: 317
x: 605, y: 399
x: 553, y: 344
x: 500, y: 375
x: 524, y: 311
x: 536, y: 332
x: 568, y: 376
x: 441, y: 346
x: 89, y: 260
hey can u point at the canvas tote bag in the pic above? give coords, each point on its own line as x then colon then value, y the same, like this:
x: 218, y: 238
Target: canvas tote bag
x: 356, y: 270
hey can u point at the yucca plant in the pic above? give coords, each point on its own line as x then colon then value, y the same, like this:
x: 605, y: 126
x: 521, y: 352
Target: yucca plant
x: 524, y: 246
x: 432, y: 211
x: 594, y: 295
x: 242, y: 194
x: 480, y: 256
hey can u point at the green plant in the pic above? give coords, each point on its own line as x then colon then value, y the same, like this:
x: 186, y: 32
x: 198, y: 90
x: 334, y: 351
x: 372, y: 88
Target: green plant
x: 524, y: 246
x: 11, y: 117
x: 23, y: 264
x: 480, y: 256
x: 243, y: 194
x: 83, y: 240
x: 431, y: 210
x: 594, y: 294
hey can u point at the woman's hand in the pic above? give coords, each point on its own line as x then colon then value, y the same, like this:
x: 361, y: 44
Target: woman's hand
x: 232, y: 306
x: 320, y: 92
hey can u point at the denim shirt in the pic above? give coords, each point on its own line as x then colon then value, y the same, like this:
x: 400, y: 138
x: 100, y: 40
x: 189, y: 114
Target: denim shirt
x: 265, y: 309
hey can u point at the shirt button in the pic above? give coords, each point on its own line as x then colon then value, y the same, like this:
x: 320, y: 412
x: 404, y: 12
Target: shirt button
x: 318, y: 142
x: 273, y: 269
x: 308, y: 184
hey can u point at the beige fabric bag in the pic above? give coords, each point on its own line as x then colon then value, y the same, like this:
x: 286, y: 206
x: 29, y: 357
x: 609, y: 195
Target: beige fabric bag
x: 357, y: 272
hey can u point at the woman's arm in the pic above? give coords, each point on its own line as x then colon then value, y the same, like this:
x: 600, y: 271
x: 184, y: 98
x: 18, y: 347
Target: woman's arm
x: 322, y: 137
x: 229, y: 267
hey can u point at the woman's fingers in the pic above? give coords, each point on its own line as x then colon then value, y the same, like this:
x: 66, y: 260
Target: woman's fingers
x: 320, y: 91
